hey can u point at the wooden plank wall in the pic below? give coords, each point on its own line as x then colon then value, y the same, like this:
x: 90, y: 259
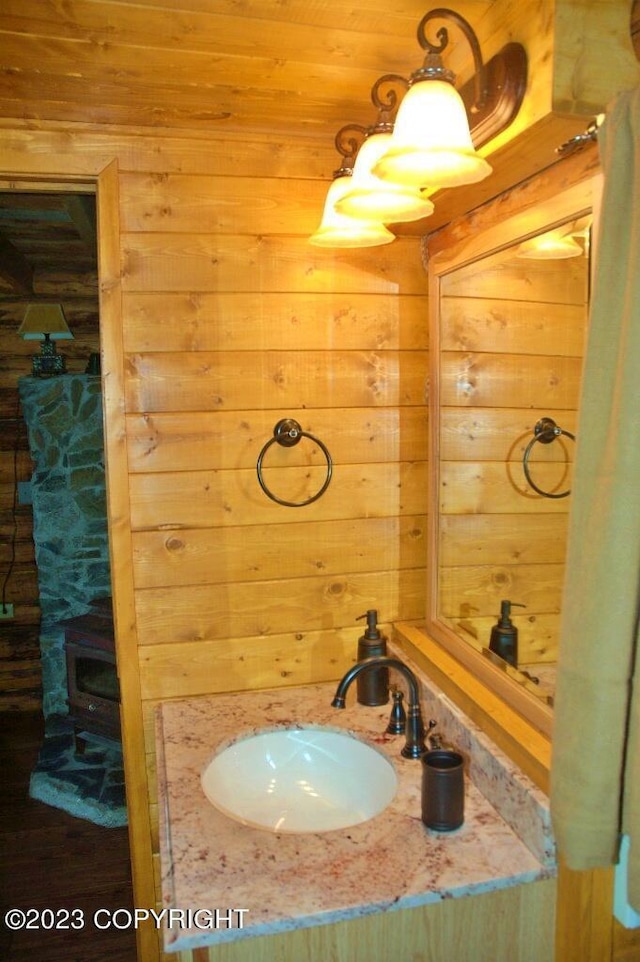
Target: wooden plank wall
x: 512, y: 341
x: 230, y: 323
x: 77, y: 291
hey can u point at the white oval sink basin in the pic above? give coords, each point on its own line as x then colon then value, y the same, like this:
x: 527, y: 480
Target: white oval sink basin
x: 300, y: 780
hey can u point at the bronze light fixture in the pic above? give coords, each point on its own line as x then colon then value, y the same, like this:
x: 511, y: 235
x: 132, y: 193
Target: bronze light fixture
x: 432, y: 143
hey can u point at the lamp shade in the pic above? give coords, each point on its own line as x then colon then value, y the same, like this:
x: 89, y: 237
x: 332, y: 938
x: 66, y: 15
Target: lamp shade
x: 44, y: 319
x: 551, y: 246
x: 338, y: 230
x: 431, y: 144
x: 369, y: 197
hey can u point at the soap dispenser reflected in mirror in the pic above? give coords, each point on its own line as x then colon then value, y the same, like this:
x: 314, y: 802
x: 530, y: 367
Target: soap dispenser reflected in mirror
x: 504, y: 634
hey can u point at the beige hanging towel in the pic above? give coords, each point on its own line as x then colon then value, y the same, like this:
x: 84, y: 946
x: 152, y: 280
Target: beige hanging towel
x: 595, y: 776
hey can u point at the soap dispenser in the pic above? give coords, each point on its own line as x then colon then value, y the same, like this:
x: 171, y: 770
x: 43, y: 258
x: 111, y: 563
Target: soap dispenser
x: 373, y: 685
x: 504, y: 634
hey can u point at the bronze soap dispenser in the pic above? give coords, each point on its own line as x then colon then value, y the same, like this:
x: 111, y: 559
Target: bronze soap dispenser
x: 373, y: 685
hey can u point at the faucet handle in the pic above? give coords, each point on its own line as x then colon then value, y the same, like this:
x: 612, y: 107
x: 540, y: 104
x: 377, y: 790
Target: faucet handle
x: 398, y: 718
x: 433, y: 741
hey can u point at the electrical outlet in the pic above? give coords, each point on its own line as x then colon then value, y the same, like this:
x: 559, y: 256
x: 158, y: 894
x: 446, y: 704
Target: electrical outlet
x: 6, y: 612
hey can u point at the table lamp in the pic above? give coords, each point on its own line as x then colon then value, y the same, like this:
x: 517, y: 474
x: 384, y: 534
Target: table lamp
x: 46, y: 323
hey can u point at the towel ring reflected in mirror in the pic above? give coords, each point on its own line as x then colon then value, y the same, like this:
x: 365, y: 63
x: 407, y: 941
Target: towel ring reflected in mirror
x: 287, y: 433
x: 545, y: 431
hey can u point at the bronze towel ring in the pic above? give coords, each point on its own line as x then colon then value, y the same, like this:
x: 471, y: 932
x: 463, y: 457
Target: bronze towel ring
x: 545, y: 431
x: 288, y: 433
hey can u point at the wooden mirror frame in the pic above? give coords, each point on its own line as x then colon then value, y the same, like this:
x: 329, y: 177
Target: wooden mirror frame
x: 566, y: 190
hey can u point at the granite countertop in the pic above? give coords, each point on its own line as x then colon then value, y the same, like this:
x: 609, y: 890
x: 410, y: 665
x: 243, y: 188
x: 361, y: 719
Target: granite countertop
x: 282, y: 882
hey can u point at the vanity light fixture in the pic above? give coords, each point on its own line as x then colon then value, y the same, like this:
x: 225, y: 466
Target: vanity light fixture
x: 341, y: 230
x: 432, y: 143
x: 367, y: 197
x: 388, y: 168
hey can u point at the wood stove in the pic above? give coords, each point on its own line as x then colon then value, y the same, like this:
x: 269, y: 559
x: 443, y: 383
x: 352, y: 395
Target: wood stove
x: 92, y: 678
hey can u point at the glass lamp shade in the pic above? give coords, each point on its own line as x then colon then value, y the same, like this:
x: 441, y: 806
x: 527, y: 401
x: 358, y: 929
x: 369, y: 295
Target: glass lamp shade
x: 338, y: 230
x: 369, y: 197
x: 431, y: 144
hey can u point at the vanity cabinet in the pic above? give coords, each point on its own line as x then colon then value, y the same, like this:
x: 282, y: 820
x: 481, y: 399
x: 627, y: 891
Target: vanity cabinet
x: 381, y: 889
x: 512, y: 924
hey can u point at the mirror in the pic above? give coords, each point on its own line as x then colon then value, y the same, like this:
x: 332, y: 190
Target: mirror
x: 509, y: 309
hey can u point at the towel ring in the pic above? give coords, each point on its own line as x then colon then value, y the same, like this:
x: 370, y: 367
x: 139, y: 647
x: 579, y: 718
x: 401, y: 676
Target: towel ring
x: 545, y: 431
x: 287, y: 433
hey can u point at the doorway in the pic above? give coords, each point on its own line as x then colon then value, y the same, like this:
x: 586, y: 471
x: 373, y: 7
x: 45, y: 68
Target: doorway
x: 48, y: 253
x: 48, y: 272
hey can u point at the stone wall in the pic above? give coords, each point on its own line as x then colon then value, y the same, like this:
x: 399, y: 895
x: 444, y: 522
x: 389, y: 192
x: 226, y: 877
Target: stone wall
x: 64, y: 421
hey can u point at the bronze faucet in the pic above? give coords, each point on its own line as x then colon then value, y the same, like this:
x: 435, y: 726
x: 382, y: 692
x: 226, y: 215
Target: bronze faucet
x: 414, y: 745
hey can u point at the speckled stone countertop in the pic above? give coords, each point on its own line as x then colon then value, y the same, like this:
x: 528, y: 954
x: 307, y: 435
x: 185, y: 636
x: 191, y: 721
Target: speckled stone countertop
x: 210, y: 862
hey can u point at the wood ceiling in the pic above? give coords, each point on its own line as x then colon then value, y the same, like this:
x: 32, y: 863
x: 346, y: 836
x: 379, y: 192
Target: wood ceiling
x: 48, y: 234
x: 293, y: 68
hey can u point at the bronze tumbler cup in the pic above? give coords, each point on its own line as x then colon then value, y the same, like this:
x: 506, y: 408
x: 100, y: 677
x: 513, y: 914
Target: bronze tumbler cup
x: 442, y: 789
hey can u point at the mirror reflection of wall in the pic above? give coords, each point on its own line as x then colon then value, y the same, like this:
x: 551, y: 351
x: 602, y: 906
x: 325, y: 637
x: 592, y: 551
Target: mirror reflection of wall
x: 512, y: 333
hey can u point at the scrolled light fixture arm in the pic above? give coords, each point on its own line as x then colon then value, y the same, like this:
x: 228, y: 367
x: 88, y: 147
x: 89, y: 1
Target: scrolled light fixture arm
x: 433, y: 65
x: 348, y: 141
x: 384, y: 97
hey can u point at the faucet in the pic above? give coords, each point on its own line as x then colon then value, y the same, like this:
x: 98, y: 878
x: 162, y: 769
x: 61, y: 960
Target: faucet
x: 414, y: 745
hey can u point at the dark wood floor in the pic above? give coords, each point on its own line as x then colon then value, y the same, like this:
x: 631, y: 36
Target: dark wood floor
x: 51, y: 860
